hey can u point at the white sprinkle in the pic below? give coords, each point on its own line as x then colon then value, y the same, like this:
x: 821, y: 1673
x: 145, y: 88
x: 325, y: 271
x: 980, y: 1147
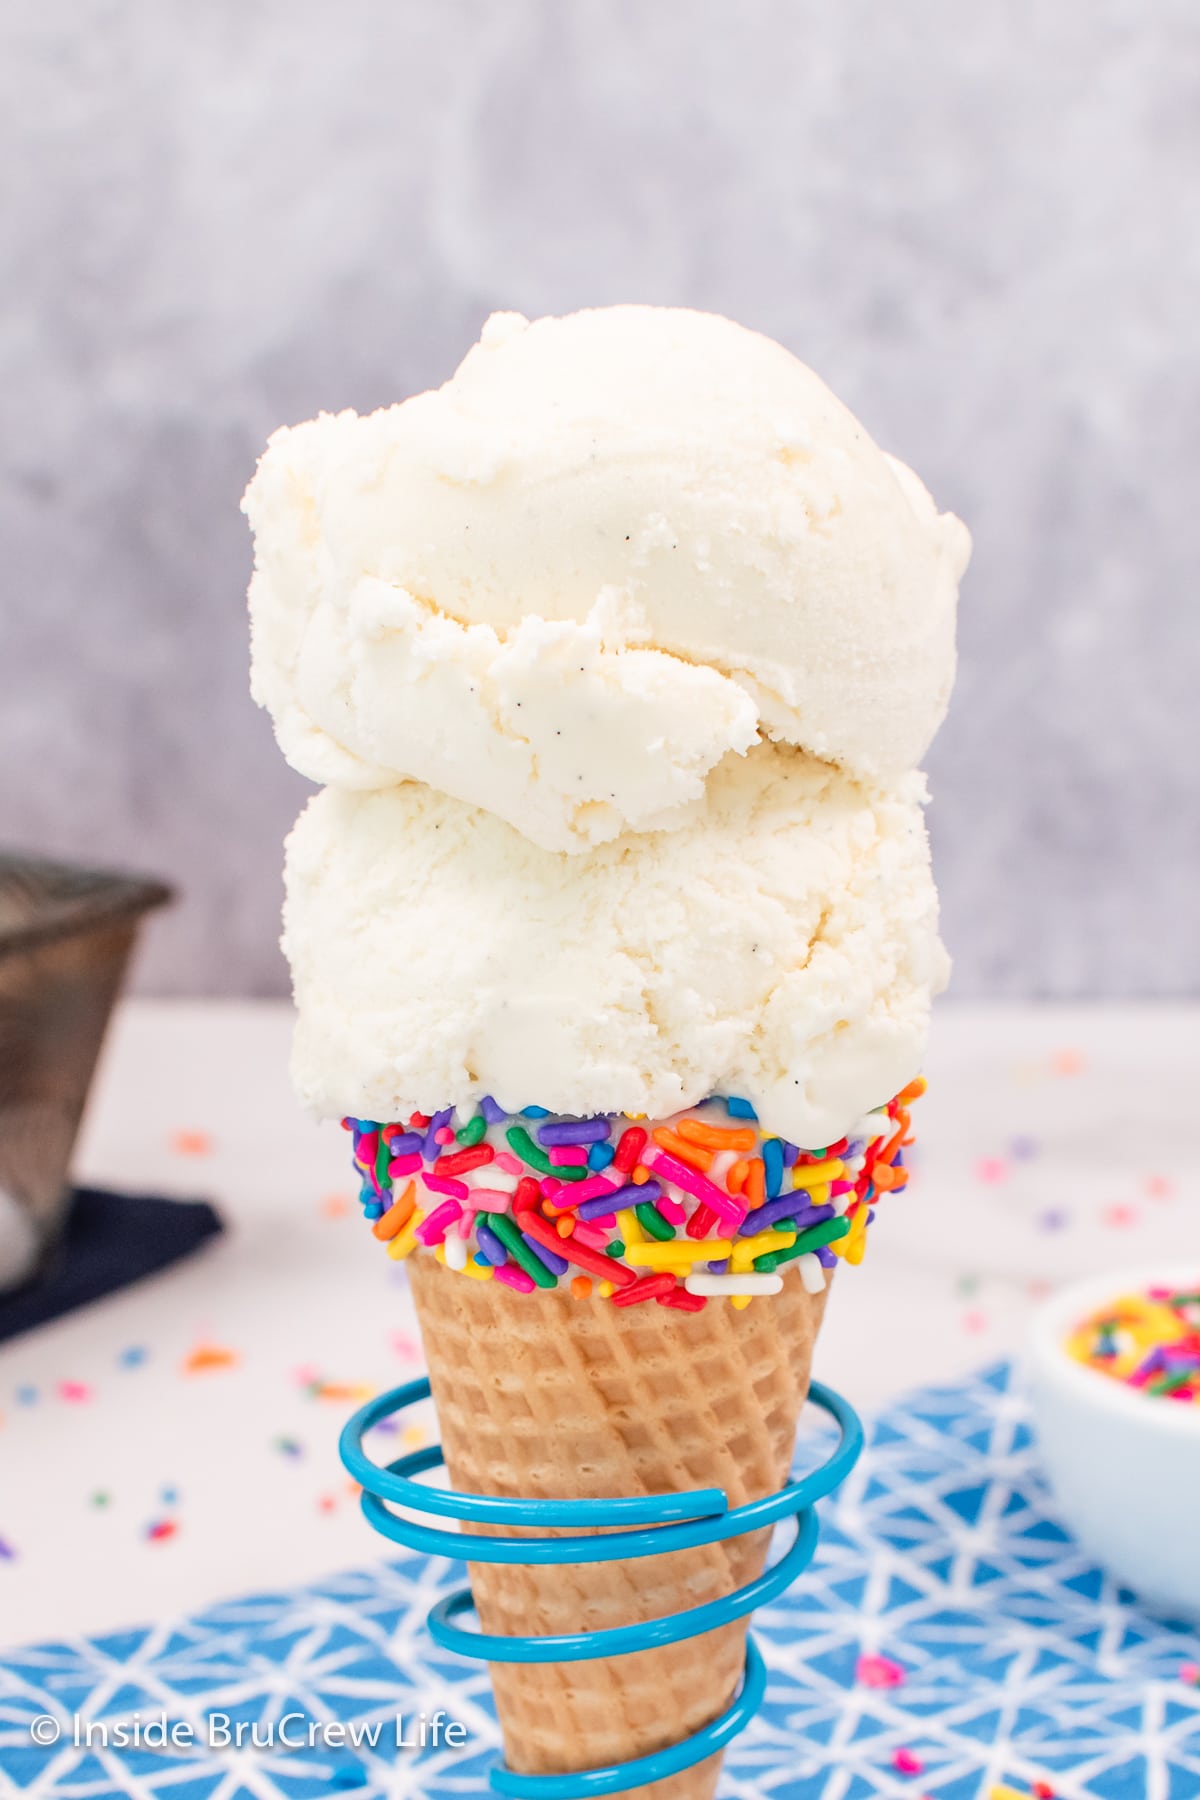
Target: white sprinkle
x: 734, y: 1284
x: 456, y: 1252
x: 811, y: 1272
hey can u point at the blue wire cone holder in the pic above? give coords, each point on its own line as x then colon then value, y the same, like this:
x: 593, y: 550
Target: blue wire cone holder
x: 640, y: 1525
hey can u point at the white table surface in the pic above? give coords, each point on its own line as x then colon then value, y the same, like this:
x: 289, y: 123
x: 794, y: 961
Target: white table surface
x: 1053, y: 1142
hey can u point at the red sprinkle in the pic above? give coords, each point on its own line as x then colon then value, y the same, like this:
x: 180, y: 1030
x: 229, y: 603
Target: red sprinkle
x: 648, y: 1288
x: 682, y: 1301
x: 528, y: 1194
x: 462, y: 1160
x: 607, y: 1267
x: 702, y: 1223
x: 630, y: 1147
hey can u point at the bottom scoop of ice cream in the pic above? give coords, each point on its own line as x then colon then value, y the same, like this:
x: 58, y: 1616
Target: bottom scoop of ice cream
x: 782, y: 945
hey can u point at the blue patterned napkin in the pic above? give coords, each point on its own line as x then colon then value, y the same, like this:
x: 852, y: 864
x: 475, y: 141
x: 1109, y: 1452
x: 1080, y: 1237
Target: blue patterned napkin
x: 941, y: 1559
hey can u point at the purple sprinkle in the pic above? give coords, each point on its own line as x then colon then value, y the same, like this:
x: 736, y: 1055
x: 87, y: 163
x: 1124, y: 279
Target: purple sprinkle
x: 490, y: 1245
x: 825, y: 1257
x: 556, y: 1264
x: 431, y: 1149
x: 787, y: 1206
x: 407, y: 1144
x: 870, y: 1215
x: 574, y: 1131
x: 852, y: 1150
x: 493, y: 1113
x: 7, y: 1553
x: 790, y: 1153
x: 719, y: 1267
x: 632, y: 1194
x: 603, y: 1208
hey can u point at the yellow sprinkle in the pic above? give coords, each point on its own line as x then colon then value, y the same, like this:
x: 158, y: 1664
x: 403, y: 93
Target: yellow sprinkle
x: 746, y: 1249
x: 813, y: 1175
x: 1006, y: 1793
x: 741, y: 1301
x: 605, y: 1290
x: 653, y: 1255
x: 630, y: 1227
x: 470, y: 1267
x: 855, y: 1241
x: 405, y: 1242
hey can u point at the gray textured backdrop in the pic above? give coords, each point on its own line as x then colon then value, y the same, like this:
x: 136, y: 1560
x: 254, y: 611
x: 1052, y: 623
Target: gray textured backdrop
x: 973, y: 220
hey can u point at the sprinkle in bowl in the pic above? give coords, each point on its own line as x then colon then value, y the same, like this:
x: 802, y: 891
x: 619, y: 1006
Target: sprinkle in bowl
x: 1122, y: 1452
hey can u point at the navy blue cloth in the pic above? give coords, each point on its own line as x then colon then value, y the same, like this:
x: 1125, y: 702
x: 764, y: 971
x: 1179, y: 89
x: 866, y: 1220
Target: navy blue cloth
x: 109, y: 1241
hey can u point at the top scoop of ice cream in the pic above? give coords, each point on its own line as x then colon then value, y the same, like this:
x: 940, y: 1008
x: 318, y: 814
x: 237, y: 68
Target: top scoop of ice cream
x: 613, y: 550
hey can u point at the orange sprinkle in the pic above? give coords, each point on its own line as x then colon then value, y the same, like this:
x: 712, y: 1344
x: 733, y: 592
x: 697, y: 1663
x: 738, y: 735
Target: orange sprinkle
x: 191, y: 1143
x: 913, y: 1091
x: 688, y: 1153
x: 886, y: 1178
x: 894, y: 1142
x: 581, y: 1286
x: 640, y: 1174
x: 735, y: 1181
x: 566, y: 1225
x: 396, y: 1214
x: 716, y: 1137
x: 209, y: 1356
x: 756, y: 1182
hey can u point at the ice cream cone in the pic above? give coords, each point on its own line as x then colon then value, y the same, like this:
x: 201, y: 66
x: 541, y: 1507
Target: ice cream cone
x: 579, y: 1399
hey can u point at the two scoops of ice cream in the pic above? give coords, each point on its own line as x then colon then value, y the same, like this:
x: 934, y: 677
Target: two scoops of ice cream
x: 615, y: 657
x: 611, y: 927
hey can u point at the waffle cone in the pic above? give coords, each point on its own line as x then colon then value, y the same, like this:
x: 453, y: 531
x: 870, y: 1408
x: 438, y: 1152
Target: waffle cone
x: 544, y: 1396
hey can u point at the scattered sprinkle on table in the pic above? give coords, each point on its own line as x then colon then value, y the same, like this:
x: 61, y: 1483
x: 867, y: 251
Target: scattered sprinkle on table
x: 209, y: 1356
x: 191, y: 1143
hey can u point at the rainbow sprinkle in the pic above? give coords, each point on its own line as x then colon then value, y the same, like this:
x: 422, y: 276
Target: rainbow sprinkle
x: 705, y: 1205
x: 1149, y: 1341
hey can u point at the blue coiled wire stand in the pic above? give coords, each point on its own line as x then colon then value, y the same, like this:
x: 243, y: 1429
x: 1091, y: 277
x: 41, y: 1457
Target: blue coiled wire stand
x: 641, y: 1525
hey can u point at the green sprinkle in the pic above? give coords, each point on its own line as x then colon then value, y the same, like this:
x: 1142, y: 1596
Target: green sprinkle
x: 509, y: 1234
x: 383, y: 1157
x: 473, y: 1132
x: 520, y: 1142
x: 615, y: 1248
x: 1166, y: 1384
x: 812, y: 1239
x: 651, y: 1220
x: 523, y: 1145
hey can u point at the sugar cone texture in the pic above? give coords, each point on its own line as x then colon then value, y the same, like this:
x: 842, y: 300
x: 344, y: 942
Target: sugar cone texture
x: 544, y: 1396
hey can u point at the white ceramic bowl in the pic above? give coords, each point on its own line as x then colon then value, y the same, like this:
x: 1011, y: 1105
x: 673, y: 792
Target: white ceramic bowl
x: 1125, y: 1468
